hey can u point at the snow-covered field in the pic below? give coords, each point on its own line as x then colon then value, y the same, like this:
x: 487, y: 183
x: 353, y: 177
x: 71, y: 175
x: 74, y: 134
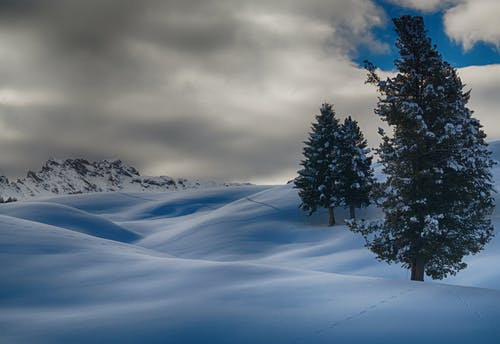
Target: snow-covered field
x: 224, y: 265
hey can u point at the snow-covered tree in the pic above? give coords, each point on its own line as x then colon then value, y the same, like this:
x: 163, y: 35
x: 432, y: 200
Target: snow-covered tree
x: 318, y: 180
x: 438, y: 194
x: 354, y: 166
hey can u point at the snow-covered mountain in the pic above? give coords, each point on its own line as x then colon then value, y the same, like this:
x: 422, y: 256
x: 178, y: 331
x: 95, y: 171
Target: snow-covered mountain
x: 73, y: 176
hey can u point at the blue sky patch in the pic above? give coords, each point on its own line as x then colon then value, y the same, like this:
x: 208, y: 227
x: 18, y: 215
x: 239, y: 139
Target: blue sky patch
x: 480, y: 54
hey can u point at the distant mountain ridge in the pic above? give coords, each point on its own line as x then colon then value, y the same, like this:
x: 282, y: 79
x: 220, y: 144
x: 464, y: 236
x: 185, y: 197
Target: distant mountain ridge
x: 73, y: 176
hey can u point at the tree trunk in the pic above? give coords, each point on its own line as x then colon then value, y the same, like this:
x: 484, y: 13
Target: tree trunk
x: 331, y: 221
x: 352, y: 212
x: 417, y: 269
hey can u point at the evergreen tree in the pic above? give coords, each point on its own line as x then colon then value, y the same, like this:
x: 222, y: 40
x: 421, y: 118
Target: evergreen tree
x: 438, y: 194
x: 355, y: 173
x: 318, y: 180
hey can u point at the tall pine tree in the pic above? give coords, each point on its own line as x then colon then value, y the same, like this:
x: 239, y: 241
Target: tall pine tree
x: 354, y: 166
x: 438, y: 194
x: 318, y: 180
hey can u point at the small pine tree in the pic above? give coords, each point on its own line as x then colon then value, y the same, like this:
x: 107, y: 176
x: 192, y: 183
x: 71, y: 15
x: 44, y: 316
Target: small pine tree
x: 317, y: 181
x: 438, y: 194
x: 356, y: 174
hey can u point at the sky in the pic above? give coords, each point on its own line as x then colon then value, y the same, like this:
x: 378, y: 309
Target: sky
x: 214, y: 89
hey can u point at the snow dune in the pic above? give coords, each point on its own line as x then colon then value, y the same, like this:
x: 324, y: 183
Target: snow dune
x: 228, y: 265
x: 69, y: 218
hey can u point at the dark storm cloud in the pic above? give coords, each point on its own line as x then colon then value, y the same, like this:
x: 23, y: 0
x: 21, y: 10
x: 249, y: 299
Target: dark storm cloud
x: 212, y: 148
x: 97, y: 26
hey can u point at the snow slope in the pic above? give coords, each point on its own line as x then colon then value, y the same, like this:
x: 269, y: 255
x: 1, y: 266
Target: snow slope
x: 222, y: 265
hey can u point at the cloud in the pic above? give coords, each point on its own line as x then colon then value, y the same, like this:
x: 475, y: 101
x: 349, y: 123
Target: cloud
x: 484, y: 82
x: 214, y: 89
x: 473, y: 21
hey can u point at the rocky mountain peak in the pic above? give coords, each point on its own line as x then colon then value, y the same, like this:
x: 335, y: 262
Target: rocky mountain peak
x: 79, y: 175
